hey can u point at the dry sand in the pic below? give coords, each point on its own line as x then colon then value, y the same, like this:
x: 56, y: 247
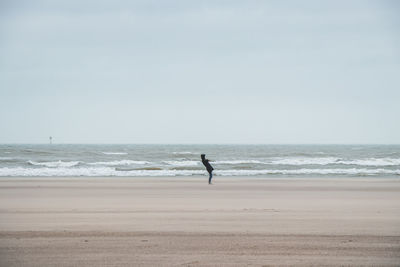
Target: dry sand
x: 185, y: 222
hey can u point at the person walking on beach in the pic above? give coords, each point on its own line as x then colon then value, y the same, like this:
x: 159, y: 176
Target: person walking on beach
x: 208, y: 166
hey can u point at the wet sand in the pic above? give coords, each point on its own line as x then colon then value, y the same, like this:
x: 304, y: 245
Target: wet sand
x: 185, y: 222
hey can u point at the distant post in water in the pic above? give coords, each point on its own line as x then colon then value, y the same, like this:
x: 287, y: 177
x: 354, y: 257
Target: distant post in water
x: 51, y: 140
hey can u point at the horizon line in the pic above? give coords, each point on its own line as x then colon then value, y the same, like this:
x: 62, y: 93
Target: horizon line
x: 200, y: 143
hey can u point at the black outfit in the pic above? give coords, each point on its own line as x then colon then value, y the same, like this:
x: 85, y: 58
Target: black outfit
x: 208, y: 166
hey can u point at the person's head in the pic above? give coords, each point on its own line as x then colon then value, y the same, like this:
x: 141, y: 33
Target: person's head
x: 203, y: 156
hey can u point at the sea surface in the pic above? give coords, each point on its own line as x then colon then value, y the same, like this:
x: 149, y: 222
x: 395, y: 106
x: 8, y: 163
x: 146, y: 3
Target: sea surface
x: 184, y: 160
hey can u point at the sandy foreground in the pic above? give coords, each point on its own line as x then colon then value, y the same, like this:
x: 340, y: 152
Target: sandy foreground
x: 185, y: 222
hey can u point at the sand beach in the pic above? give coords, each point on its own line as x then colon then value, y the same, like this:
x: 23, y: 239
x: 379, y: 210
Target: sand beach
x: 184, y: 221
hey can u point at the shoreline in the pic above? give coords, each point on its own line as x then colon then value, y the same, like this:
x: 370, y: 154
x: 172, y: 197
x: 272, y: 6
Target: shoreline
x: 224, y: 177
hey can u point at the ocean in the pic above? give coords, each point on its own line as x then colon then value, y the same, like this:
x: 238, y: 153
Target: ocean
x: 184, y: 160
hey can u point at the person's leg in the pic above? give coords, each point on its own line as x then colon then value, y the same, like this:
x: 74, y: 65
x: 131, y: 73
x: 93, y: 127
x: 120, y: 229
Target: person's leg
x: 209, y: 179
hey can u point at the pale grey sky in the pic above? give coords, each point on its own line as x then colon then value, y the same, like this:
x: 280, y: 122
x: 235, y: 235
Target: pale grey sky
x: 199, y: 71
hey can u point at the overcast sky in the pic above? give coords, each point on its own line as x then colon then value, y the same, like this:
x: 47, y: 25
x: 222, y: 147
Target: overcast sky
x: 199, y: 71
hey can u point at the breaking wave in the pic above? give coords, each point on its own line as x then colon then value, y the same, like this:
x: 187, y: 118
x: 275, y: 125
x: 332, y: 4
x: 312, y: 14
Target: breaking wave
x: 183, y: 153
x: 114, y: 153
x: 7, y: 159
x: 353, y: 171
x: 182, y: 163
x: 373, y: 162
x: 238, y: 162
x: 110, y: 171
x: 94, y: 171
x: 332, y: 160
x: 119, y: 162
x: 54, y: 164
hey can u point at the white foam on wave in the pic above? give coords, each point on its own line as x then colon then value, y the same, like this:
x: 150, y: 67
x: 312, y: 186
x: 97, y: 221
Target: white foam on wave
x: 183, y: 153
x: 182, y: 163
x: 110, y: 171
x: 54, y: 164
x: 304, y: 161
x: 19, y: 171
x: 93, y: 171
x: 6, y: 158
x: 114, y: 153
x: 352, y: 171
x: 119, y: 162
x: 240, y: 161
x: 373, y: 162
x: 333, y: 160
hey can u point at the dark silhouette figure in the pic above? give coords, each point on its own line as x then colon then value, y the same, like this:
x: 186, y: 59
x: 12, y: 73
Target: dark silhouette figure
x: 208, y: 166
